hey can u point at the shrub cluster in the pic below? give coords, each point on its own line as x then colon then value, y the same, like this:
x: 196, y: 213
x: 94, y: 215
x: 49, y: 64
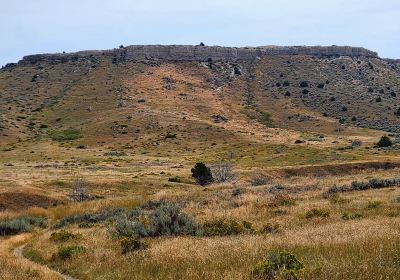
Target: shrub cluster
x: 351, y: 216
x: 68, y: 134
x: 278, y: 265
x: 130, y: 244
x: 365, y: 185
x: 96, y: 217
x: 156, y: 219
x: 224, y: 227
x: 384, y: 142
x: 67, y: 252
x: 175, y: 179
x: 21, y: 224
x: 316, y: 212
x: 271, y: 228
x: 259, y: 180
x: 63, y: 235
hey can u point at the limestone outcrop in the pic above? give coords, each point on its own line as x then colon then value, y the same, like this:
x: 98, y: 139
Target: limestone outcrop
x: 199, y: 53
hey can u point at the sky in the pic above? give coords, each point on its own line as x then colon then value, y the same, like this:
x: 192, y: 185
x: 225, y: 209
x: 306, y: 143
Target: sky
x: 49, y: 26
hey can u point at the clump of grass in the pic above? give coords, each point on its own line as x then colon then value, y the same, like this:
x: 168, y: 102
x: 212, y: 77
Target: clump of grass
x: 63, y: 235
x: 33, y: 255
x: 58, y: 183
x: 317, y: 213
x: 259, y: 180
x: 175, y: 179
x: 21, y: 224
x: 374, y: 204
x: 224, y: 227
x: 66, y: 253
x: 335, y: 198
x: 270, y: 228
x: 65, y: 135
x: 283, y: 200
x: 278, y: 265
x: 351, y: 216
x: 130, y: 244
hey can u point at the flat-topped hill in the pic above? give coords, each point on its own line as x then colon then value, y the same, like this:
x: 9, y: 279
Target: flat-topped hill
x: 139, y: 96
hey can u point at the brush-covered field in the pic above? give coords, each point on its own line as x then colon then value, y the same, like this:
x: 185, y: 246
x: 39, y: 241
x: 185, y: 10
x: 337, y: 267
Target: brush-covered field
x: 335, y: 219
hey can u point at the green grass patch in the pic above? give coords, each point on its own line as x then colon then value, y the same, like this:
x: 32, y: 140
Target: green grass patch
x: 65, y: 135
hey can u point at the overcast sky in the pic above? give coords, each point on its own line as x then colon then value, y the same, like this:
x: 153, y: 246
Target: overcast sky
x: 43, y: 26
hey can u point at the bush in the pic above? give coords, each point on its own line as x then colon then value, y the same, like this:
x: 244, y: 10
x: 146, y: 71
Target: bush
x: 164, y: 218
x: 129, y: 244
x: 304, y: 84
x: 270, y: 228
x: 170, y: 135
x: 21, y: 224
x: 316, y: 212
x: 63, y: 235
x: 356, y: 143
x: 280, y: 264
x: 175, y: 179
x: 384, y: 142
x: 237, y: 191
x: 80, y: 190
x: 202, y: 174
x: 66, y: 253
x: 397, y: 113
x: 98, y: 217
x: 68, y: 134
x: 283, y: 200
x: 364, y: 185
x: 224, y: 227
x: 222, y: 172
x: 259, y: 180
x: 351, y: 216
x: 374, y: 204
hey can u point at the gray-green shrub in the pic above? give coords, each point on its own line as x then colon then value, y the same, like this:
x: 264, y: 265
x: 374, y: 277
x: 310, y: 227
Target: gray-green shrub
x: 21, y: 224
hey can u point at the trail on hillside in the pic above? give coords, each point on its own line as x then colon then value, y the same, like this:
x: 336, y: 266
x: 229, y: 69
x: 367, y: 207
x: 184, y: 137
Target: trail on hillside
x: 11, y: 253
x: 18, y: 252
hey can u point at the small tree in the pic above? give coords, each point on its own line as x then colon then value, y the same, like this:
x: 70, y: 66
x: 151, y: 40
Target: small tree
x: 384, y: 142
x: 202, y: 174
x: 222, y: 172
x: 80, y: 190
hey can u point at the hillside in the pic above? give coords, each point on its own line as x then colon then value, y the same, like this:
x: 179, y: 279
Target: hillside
x: 111, y: 89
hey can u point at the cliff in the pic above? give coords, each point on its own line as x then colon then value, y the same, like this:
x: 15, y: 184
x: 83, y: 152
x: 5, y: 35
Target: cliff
x: 199, y: 53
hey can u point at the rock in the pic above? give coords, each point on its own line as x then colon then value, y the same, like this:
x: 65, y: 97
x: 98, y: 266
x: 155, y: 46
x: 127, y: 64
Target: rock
x: 196, y: 53
x: 219, y: 118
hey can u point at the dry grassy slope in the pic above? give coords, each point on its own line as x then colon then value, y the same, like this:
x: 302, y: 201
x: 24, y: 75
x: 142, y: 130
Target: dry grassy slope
x: 102, y: 100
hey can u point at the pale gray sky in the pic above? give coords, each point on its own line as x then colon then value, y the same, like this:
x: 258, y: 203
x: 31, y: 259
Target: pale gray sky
x: 41, y: 26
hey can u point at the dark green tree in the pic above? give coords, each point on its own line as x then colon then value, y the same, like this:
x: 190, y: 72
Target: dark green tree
x: 202, y: 174
x: 384, y: 142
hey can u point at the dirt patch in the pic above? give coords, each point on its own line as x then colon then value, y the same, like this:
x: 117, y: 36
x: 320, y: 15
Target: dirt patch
x: 21, y: 200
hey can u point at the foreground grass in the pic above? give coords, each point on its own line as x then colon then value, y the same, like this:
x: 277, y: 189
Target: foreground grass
x: 367, y: 249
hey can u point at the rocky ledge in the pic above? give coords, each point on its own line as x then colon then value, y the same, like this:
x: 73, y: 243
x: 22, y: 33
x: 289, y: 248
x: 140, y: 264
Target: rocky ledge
x: 199, y: 53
